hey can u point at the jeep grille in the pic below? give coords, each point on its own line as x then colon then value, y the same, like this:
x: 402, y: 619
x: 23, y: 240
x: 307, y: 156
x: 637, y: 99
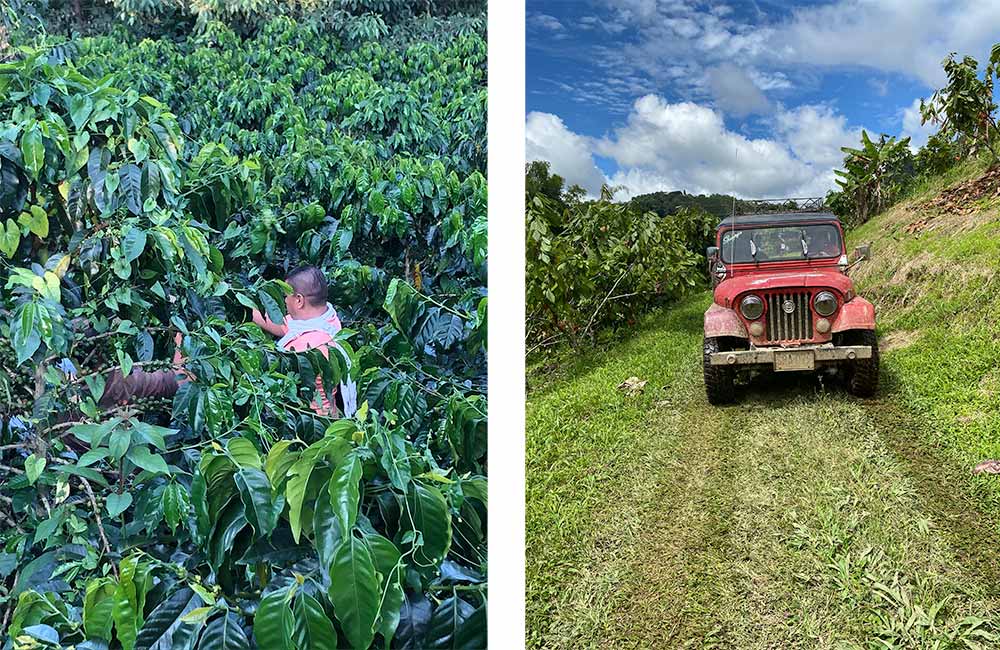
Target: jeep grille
x: 782, y: 326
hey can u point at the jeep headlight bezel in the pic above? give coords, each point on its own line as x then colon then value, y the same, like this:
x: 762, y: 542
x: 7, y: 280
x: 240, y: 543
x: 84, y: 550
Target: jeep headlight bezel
x: 752, y: 307
x: 825, y: 303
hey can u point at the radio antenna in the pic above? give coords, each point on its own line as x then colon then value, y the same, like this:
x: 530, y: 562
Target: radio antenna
x: 733, y: 234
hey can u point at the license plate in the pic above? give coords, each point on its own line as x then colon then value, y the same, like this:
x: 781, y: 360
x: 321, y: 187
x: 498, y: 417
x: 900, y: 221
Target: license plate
x: 794, y: 360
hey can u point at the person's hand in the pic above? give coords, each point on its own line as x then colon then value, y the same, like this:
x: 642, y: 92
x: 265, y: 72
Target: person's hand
x: 258, y: 318
x: 178, y: 339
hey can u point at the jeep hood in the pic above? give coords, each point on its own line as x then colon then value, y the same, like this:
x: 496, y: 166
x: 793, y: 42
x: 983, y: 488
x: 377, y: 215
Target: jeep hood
x: 727, y: 290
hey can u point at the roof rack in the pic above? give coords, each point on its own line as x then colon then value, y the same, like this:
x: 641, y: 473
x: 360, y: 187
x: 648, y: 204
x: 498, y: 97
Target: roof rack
x: 743, y: 207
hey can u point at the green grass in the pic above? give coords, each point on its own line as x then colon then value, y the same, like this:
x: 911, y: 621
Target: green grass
x: 790, y: 520
x: 939, y: 289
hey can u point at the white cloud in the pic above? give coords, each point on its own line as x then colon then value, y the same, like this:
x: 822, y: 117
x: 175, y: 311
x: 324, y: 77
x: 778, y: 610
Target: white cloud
x: 569, y: 154
x: 665, y: 146
x: 770, y: 80
x: 880, y: 86
x: 815, y: 134
x: 545, y: 22
x: 912, y: 128
x: 906, y: 36
x: 734, y: 91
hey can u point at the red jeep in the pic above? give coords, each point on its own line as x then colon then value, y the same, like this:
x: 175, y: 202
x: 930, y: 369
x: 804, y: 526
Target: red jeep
x: 783, y: 300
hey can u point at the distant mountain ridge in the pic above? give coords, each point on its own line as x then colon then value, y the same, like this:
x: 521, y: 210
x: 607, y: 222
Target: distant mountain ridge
x: 664, y: 203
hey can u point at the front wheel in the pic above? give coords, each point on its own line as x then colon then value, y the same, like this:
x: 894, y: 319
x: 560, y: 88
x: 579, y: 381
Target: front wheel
x: 863, y: 380
x: 719, y: 380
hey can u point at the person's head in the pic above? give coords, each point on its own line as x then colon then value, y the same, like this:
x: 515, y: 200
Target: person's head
x: 309, y: 292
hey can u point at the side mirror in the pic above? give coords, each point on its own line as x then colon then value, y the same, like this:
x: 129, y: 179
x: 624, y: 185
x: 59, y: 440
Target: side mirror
x: 712, y: 252
x: 862, y: 252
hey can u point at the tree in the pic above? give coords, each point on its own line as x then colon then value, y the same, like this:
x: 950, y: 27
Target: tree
x: 539, y: 180
x: 965, y: 107
x: 874, y: 176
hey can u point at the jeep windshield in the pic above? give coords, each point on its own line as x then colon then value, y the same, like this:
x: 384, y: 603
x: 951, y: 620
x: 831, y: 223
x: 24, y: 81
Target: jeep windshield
x: 780, y: 243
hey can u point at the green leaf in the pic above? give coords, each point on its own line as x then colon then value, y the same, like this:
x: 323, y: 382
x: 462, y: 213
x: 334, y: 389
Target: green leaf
x: 80, y: 107
x: 446, y: 623
x: 345, y: 491
x: 97, y: 605
x: 395, y: 462
x: 279, y: 461
x: 24, y: 336
x: 386, y: 557
x: 243, y: 452
x: 125, y: 361
x: 93, y: 456
x: 119, y: 443
x: 139, y: 149
x: 354, y: 591
x: 376, y: 203
x: 10, y: 238
x: 272, y: 625
x: 392, y: 603
x: 47, y: 635
x: 224, y: 633
x: 164, y: 629
x: 328, y: 536
x: 142, y: 457
x: 94, y: 434
x: 152, y: 434
x: 428, y: 515
x: 33, y: 151
x: 48, y: 527
x: 134, y: 244
x: 176, y: 504
x: 312, y: 628
x: 86, y: 472
x: 260, y: 510
x: 36, y: 221
x: 33, y: 467
x: 131, y: 183
x: 118, y: 503
x: 130, y: 596
x: 271, y: 307
x: 295, y: 491
x: 231, y: 522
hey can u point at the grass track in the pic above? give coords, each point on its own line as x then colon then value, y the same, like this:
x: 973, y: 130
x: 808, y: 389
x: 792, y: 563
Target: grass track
x: 800, y: 518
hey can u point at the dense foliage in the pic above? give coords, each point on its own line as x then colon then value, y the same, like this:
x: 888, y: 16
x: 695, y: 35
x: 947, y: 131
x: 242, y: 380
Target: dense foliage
x: 664, y: 203
x: 885, y: 170
x: 600, y: 263
x: 873, y: 176
x: 162, y: 186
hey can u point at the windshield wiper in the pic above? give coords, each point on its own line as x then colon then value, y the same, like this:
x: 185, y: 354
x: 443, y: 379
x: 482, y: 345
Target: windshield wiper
x: 805, y: 246
x: 753, y: 249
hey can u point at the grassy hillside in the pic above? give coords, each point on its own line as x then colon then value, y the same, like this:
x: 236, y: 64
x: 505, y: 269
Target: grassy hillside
x: 935, y: 283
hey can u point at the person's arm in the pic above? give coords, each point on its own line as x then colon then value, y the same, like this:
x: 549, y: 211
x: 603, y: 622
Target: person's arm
x: 266, y: 324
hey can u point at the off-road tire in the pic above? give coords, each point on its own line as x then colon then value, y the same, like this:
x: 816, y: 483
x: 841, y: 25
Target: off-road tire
x: 863, y: 380
x: 719, y: 380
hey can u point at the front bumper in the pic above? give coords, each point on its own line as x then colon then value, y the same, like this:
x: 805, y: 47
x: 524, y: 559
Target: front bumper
x: 804, y: 357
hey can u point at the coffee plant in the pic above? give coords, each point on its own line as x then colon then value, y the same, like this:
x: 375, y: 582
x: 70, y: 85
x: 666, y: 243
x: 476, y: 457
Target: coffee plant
x: 152, y: 193
x: 598, y: 264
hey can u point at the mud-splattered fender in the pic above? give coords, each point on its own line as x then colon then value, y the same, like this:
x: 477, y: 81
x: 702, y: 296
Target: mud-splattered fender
x: 720, y: 321
x: 858, y: 314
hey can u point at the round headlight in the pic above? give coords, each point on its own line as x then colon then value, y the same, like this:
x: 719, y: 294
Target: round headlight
x: 752, y: 307
x: 825, y: 303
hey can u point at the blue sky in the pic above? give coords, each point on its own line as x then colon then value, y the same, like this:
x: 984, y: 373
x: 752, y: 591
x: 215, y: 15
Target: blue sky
x: 752, y: 98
